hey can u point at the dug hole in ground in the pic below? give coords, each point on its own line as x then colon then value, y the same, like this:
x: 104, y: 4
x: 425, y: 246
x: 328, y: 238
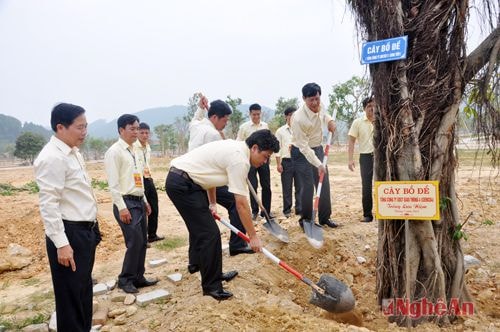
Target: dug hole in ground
x: 266, y: 298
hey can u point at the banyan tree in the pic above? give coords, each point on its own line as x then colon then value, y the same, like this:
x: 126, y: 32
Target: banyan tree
x: 419, y: 99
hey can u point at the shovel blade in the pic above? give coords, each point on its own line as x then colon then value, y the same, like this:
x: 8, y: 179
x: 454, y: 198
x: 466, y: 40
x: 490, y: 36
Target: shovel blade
x: 338, y: 297
x: 276, y: 230
x: 314, y: 234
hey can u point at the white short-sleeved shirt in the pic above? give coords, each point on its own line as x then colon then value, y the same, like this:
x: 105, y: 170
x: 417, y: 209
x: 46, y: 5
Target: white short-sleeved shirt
x: 248, y: 128
x: 362, y: 130
x: 218, y: 164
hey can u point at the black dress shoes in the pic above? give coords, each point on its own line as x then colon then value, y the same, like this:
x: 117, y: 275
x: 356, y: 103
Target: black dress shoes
x: 155, y: 238
x: 330, y: 223
x: 367, y: 219
x: 131, y: 289
x: 193, y: 268
x: 243, y: 250
x: 219, y: 295
x: 145, y: 283
x: 228, y: 276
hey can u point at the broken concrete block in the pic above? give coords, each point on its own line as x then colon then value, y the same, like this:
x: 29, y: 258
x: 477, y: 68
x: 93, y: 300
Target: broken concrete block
x: 111, y: 284
x: 156, y: 295
x: 118, y: 297
x: 100, y: 289
x: 157, y: 262
x: 175, y: 277
x: 53, y: 322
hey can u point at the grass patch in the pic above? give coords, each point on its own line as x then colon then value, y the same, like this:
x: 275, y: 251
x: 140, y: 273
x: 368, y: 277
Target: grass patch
x: 170, y: 243
x: 6, y: 189
x: 12, y: 324
x: 488, y: 222
x: 99, y: 184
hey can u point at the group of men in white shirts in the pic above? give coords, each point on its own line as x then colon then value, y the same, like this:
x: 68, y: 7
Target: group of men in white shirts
x: 213, y: 171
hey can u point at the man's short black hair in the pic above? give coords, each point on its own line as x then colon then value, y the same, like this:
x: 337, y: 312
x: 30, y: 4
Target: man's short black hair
x: 64, y: 114
x: 367, y: 100
x: 126, y: 119
x: 311, y: 90
x: 264, y: 139
x: 290, y: 110
x: 144, y: 125
x: 254, y: 107
x: 219, y: 108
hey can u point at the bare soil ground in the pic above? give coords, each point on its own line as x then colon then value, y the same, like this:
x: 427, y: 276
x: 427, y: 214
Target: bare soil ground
x: 266, y: 298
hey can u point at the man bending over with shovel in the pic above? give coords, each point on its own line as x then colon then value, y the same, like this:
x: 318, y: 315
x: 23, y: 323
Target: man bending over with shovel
x: 199, y: 172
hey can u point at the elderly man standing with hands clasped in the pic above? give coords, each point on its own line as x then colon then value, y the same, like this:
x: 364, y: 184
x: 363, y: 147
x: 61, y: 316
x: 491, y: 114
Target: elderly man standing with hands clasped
x: 69, y: 211
x: 307, y: 153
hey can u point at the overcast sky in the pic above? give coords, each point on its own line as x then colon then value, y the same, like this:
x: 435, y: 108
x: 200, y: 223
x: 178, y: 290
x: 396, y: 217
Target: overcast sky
x: 120, y: 56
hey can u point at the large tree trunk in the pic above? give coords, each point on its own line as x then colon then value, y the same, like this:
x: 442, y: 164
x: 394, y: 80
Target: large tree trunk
x: 418, y: 101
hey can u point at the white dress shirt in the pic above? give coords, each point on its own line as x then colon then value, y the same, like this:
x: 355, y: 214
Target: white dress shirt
x: 217, y: 164
x: 307, y: 131
x: 284, y: 136
x: 248, y: 128
x: 65, y: 189
x: 121, y: 162
x: 201, y: 130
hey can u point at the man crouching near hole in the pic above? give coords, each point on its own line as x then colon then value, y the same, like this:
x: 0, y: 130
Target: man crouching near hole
x: 191, y: 183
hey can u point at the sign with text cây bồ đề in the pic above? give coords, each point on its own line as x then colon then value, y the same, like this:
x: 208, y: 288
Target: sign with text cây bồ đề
x: 407, y: 200
x: 384, y: 50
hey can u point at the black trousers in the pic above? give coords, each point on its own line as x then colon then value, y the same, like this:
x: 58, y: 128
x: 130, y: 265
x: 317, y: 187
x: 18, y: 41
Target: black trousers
x: 308, y: 180
x: 366, y: 169
x: 135, y: 241
x: 265, y: 184
x: 289, y: 178
x: 226, y: 199
x: 73, y: 290
x: 152, y: 197
x: 205, y: 244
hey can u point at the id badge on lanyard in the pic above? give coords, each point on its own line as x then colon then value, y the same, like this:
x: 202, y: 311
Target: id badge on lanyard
x: 138, y: 180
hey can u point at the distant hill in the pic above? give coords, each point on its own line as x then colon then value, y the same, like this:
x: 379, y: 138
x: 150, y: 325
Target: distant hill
x: 154, y: 117
x: 11, y: 128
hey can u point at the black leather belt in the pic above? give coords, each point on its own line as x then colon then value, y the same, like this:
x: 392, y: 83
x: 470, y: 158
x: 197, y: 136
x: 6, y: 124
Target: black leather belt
x: 132, y: 197
x: 86, y: 224
x: 180, y: 172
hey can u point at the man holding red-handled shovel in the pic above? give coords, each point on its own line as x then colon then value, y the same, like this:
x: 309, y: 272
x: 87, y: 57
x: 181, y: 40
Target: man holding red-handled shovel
x: 191, y: 184
x: 307, y: 153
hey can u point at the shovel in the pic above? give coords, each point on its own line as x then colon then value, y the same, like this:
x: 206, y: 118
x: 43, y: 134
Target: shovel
x: 270, y: 225
x: 329, y: 293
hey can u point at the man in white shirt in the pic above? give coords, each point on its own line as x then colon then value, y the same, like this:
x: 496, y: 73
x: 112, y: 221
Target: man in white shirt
x: 245, y: 130
x: 284, y: 166
x: 69, y: 210
x: 142, y: 145
x: 204, y: 130
x: 130, y: 206
x: 307, y: 153
x: 191, y: 184
x: 362, y: 130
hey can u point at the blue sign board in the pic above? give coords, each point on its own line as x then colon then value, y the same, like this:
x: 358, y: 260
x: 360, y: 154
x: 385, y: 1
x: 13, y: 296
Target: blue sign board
x: 384, y: 50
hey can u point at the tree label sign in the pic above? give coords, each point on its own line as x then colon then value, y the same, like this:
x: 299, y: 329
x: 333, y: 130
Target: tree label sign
x: 407, y: 200
x: 384, y: 50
